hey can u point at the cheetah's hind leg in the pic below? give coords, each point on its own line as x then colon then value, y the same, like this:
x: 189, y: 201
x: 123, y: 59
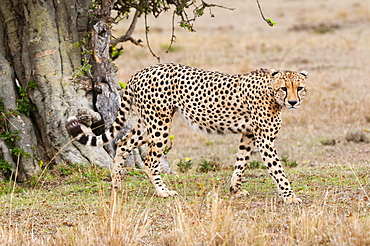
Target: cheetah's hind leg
x: 136, y: 138
x: 245, y: 148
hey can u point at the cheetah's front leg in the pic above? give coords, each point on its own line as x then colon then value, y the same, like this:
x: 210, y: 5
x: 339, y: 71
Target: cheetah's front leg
x: 245, y: 148
x: 275, y: 169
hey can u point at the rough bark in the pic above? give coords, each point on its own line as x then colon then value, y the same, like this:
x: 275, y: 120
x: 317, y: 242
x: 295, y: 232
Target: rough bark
x: 5, y: 153
x: 9, y: 91
x: 105, y: 82
x: 37, y: 40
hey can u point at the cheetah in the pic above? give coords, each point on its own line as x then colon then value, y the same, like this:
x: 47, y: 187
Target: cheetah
x: 249, y: 104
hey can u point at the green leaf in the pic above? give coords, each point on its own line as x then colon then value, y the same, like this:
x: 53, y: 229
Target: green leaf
x: 166, y: 150
x: 32, y: 85
x: 123, y: 85
x: 172, y: 137
x: 271, y: 22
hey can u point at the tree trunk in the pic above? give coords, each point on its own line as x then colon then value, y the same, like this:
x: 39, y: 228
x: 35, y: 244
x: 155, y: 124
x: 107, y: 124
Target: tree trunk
x: 40, y: 62
x: 37, y: 40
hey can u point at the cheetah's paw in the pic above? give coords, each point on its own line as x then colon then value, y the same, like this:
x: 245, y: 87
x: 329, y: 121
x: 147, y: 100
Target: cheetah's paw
x: 167, y: 193
x: 292, y: 200
x: 240, y: 193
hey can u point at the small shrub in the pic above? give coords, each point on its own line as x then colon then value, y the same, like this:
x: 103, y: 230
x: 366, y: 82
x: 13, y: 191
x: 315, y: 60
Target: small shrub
x: 328, y: 142
x: 325, y: 28
x: 10, y: 187
x: 168, y: 48
x: 357, y: 137
x: 5, y: 166
x: 24, y: 104
x: 209, y: 143
x: 287, y: 163
x: 185, y: 165
x: 206, y: 166
x: 115, y: 52
x: 255, y: 165
x: 320, y: 28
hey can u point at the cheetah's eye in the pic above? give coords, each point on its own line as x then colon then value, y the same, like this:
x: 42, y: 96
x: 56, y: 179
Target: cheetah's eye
x: 300, y: 88
x: 283, y: 88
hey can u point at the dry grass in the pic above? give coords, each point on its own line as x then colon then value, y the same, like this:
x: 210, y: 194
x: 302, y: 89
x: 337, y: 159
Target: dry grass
x: 335, y: 212
x: 330, y: 39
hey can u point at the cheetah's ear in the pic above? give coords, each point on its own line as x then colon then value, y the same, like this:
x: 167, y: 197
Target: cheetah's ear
x: 304, y: 73
x: 274, y: 72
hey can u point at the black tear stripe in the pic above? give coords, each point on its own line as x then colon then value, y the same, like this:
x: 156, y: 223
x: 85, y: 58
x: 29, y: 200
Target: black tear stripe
x: 299, y: 99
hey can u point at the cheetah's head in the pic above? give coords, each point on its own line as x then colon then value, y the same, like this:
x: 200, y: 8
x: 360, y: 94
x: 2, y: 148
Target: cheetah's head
x: 289, y: 87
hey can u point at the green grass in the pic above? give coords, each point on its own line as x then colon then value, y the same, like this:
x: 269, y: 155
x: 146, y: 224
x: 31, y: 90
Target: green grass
x: 173, y: 48
x: 72, y: 203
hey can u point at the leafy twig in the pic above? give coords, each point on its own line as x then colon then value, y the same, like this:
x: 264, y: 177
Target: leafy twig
x: 185, y: 21
x: 128, y: 35
x: 155, y: 9
x: 207, y: 5
x: 268, y: 20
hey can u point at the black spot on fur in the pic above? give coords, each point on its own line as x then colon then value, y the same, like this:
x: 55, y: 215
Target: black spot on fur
x: 104, y: 138
x: 83, y: 139
x: 93, y: 141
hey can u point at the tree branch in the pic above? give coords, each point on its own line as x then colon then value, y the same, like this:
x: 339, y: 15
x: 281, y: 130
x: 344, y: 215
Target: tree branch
x: 128, y: 35
x: 155, y: 9
x: 173, y: 37
x: 207, y: 5
x: 147, y: 39
x: 268, y: 21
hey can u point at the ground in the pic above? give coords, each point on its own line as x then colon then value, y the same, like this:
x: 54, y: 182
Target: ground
x: 71, y: 205
x: 328, y: 138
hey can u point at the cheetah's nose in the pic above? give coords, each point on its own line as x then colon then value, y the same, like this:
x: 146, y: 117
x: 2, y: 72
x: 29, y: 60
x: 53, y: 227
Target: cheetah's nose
x: 292, y: 102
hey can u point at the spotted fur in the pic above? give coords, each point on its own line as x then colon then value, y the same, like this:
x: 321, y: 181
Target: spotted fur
x: 248, y: 104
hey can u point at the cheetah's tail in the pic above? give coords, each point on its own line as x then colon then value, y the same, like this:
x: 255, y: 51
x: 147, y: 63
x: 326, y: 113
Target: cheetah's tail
x: 74, y: 129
